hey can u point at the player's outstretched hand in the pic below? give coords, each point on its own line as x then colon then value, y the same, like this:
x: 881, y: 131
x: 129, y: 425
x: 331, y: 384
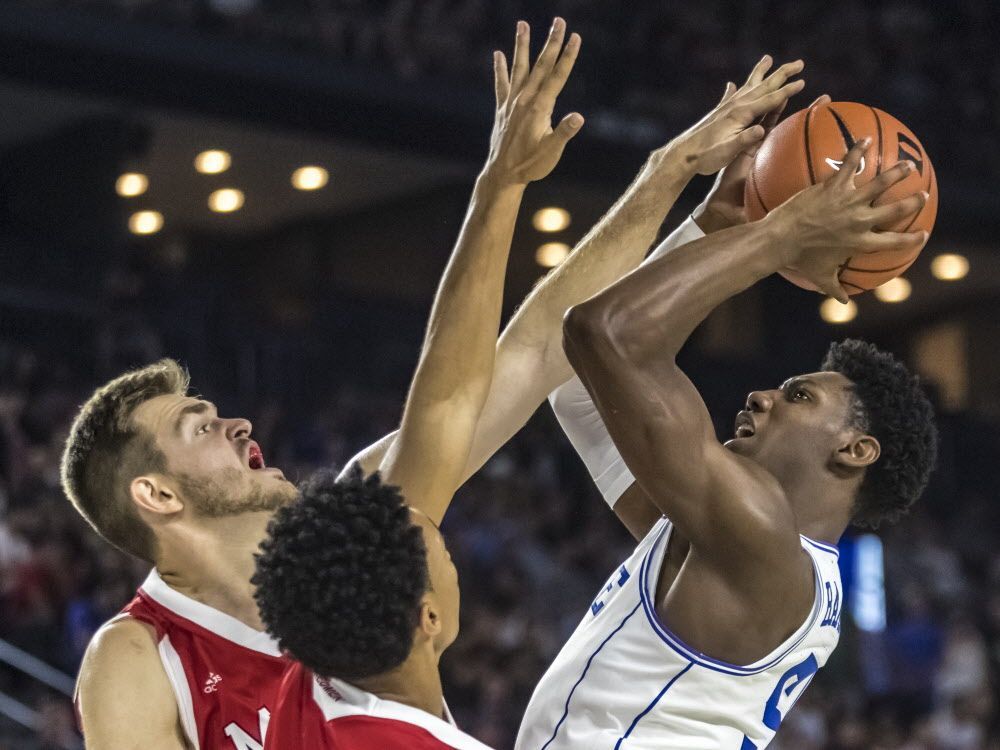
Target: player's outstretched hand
x: 524, y: 146
x: 723, y: 205
x: 735, y: 124
x: 821, y: 227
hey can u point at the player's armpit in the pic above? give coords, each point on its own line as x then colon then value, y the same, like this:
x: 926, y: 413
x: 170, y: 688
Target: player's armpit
x: 370, y: 458
x: 637, y: 512
x: 123, y: 694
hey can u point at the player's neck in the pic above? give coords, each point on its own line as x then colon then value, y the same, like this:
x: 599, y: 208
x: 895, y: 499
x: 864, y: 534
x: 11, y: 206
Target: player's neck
x: 416, y: 682
x: 212, y: 562
x: 822, y: 507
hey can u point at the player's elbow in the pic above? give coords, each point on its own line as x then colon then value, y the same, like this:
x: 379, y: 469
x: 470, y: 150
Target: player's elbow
x: 585, y: 333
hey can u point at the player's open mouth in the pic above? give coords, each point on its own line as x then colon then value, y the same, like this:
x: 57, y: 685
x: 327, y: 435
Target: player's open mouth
x: 255, y: 459
x: 744, y: 425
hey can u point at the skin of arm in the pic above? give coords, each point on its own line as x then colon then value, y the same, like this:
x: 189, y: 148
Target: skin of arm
x: 453, y: 375
x: 529, y: 359
x: 730, y: 508
x: 124, y: 697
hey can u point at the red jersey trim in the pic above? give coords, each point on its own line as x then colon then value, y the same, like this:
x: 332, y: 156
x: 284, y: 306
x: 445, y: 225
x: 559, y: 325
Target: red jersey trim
x: 339, y: 700
x: 216, y: 622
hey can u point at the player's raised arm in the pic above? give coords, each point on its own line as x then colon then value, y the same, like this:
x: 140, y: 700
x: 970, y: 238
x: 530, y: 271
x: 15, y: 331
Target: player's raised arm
x: 623, y: 344
x: 453, y: 376
x: 529, y: 359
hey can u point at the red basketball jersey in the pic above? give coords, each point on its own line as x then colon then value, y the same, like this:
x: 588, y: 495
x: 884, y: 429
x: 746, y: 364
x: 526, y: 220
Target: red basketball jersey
x: 329, y: 714
x: 225, y: 675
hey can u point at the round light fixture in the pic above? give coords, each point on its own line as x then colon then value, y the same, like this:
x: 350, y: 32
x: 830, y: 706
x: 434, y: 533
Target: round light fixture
x: 551, y: 254
x: 131, y: 184
x: 145, y: 222
x: 950, y: 267
x: 213, y: 161
x: 551, y: 219
x: 896, y: 290
x: 833, y: 312
x: 226, y: 200
x: 310, y: 178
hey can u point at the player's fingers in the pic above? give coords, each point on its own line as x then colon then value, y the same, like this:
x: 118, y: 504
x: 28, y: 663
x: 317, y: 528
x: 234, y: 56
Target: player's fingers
x: 833, y: 288
x: 568, y: 127
x: 521, y: 66
x: 898, y: 210
x: 728, y: 93
x: 547, y: 57
x: 887, y: 242
x: 772, y: 117
x: 501, y: 78
x: 852, y: 161
x: 759, y: 71
x: 775, y: 81
x: 820, y: 101
x: 553, y: 84
x: 871, y: 191
x: 753, y: 109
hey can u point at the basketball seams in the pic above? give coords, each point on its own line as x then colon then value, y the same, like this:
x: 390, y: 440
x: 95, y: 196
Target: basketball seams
x: 805, y: 128
x: 756, y: 190
x: 878, y: 125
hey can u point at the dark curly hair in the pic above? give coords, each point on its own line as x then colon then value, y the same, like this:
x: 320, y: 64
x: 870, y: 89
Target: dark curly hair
x: 341, y: 574
x: 889, y: 404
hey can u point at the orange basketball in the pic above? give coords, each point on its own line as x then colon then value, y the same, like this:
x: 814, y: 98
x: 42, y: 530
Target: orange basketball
x: 810, y: 145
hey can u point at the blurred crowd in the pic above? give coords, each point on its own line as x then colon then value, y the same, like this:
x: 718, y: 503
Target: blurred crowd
x: 648, y: 64
x: 533, y: 543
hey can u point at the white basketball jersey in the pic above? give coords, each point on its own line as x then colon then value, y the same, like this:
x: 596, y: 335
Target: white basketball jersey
x: 623, y: 680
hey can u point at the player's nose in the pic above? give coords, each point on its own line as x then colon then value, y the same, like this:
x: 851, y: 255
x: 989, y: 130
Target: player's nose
x: 759, y: 401
x: 238, y: 428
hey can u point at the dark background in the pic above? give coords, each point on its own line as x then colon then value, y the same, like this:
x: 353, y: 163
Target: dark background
x: 304, y: 311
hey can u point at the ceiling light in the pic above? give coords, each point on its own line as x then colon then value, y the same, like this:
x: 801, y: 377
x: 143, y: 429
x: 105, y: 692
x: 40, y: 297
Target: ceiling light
x: 950, y: 267
x: 226, y: 200
x: 833, y: 312
x: 896, y: 290
x: 212, y: 162
x: 310, y: 178
x: 551, y: 219
x: 145, y: 222
x: 551, y: 254
x: 131, y: 184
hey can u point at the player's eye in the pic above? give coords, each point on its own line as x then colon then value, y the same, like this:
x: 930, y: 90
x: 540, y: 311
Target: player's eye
x: 800, y: 394
x: 204, y: 428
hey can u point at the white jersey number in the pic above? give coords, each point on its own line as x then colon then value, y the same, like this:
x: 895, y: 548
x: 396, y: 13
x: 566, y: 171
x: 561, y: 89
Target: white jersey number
x: 243, y: 740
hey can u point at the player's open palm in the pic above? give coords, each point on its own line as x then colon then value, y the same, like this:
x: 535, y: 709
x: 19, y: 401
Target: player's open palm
x: 826, y: 224
x: 735, y: 124
x: 524, y: 146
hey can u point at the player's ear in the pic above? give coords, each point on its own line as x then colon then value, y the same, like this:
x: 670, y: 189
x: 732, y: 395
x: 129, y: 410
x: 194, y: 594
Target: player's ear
x: 154, y: 493
x: 861, y: 451
x: 430, y: 616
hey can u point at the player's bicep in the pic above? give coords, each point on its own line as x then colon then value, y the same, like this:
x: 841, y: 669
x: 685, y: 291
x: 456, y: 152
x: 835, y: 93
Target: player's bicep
x: 123, y: 694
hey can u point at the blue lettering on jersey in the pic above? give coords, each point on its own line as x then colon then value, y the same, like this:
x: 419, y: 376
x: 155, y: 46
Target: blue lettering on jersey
x: 832, y: 615
x: 598, y: 605
x: 795, y: 679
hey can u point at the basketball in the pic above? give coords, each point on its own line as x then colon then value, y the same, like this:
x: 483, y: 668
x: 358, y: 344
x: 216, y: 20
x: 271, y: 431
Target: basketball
x: 809, y: 146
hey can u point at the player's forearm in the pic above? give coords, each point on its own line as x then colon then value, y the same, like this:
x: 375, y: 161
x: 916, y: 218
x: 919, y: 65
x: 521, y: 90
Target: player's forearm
x: 612, y: 248
x: 650, y: 314
x: 456, y: 360
x: 453, y: 375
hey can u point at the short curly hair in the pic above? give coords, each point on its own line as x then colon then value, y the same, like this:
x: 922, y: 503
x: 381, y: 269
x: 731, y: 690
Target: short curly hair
x: 889, y: 404
x: 340, y: 577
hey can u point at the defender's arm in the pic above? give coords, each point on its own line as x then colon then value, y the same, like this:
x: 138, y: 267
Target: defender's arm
x: 455, y: 370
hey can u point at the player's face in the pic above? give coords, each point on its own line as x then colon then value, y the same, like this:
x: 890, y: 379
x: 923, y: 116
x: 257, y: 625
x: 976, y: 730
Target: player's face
x: 216, y: 468
x: 444, y: 590
x: 803, y: 422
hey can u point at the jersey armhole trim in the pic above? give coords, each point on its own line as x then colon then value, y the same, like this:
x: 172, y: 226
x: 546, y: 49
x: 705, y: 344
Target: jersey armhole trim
x: 174, y: 668
x: 703, y: 660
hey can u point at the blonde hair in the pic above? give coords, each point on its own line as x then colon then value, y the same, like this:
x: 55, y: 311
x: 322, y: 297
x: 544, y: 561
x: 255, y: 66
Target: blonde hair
x: 105, y: 451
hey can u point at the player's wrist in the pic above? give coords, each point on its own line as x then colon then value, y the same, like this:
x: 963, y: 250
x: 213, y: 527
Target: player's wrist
x: 495, y: 179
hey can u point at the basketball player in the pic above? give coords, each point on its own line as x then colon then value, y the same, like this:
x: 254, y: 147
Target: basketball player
x: 359, y: 587
x: 715, y: 625
x: 160, y: 475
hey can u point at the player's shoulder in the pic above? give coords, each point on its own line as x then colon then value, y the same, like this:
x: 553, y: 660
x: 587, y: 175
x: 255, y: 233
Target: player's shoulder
x: 121, y: 678
x: 122, y: 654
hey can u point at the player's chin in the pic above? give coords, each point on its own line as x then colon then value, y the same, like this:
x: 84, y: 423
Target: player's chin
x: 743, y: 446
